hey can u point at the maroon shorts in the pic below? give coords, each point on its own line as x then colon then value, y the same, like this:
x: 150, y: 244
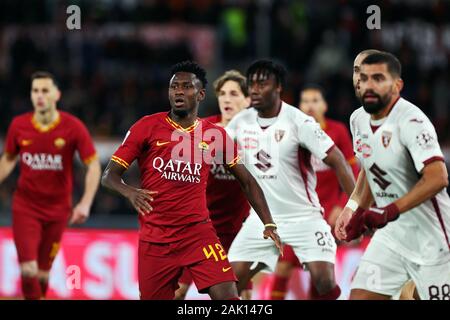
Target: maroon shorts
x: 36, y: 239
x: 226, y: 239
x: 289, y: 256
x: 160, y: 265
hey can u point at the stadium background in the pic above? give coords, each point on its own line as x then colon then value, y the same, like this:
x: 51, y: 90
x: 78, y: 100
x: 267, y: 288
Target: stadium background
x: 115, y: 70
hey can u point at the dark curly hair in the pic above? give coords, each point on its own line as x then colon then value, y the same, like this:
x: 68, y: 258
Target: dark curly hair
x: 267, y: 67
x: 191, y: 67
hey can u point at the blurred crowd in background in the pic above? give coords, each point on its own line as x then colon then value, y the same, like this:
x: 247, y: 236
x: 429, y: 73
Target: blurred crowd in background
x: 116, y: 68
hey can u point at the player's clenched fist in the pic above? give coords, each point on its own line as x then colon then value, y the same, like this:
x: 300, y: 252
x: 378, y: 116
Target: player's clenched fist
x: 140, y: 199
x: 379, y: 217
x: 355, y: 227
x: 270, y: 231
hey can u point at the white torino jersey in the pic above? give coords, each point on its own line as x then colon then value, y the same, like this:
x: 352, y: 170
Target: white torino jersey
x: 279, y: 158
x: 392, y: 158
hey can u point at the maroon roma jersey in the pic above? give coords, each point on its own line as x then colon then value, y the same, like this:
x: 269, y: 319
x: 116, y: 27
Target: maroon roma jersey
x: 174, y: 161
x: 46, y: 161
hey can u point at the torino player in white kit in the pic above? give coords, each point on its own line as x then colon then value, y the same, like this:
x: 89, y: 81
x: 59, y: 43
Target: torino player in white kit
x: 276, y: 142
x: 403, y: 172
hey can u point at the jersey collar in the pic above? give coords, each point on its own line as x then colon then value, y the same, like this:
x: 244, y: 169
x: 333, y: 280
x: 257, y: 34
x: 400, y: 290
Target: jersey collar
x: 42, y: 128
x: 176, y: 126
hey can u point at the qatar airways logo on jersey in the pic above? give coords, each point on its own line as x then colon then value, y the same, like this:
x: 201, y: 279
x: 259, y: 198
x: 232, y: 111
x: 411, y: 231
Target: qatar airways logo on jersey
x: 43, y: 161
x: 177, y: 170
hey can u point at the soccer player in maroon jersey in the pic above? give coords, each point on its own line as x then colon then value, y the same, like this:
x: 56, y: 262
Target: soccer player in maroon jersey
x: 331, y: 196
x: 227, y: 216
x: 175, y: 151
x: 44, y: 143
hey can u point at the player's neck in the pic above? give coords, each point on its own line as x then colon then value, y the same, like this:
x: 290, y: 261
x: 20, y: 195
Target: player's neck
x: 47, y: 117
x: 184, y: 121
x: 271, y: 112
x: 385, y: 111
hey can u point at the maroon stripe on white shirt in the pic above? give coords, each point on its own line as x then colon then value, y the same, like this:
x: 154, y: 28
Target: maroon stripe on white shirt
x: 441, y: 221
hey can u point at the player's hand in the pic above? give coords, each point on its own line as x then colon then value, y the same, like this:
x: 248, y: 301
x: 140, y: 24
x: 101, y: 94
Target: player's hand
x: 341, y: 222
x: 140, y: 199
x: 271, y: 232
x: 379, y: 217
x: 355, y: 227
x: 80, y: 213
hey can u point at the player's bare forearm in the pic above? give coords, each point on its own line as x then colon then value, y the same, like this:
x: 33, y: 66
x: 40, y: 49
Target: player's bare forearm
x: 344, y: 173
x: 362, y: 193
x: 253, y: 191
x: 7, y: 164
x: 112, y: 179
x: 434, y: 179
x: 139, y: 198
x: 91, y: 182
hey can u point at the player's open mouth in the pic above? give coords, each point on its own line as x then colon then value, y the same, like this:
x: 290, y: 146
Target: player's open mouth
x: 228, y: 109
x: 179, y: 102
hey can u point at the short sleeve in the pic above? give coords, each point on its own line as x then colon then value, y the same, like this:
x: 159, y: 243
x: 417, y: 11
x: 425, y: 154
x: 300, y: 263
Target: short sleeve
x: 419, y: 136
x: 131, y: 146
x: 345, y: 144
x: 84, y: 144
x: 11, y: 143
x: 312, y: 137
x: 226, y: 150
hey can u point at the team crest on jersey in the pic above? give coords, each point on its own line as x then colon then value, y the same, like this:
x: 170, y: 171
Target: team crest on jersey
x: 59, y: 143
x: 386, y: 138
x: 203, y: 145
x: 279, y: 134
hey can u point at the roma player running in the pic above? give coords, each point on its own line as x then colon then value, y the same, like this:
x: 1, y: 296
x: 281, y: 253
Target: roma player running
x: 331, y: 196
x: 175, y: 151
x: 277, y: 141
x: 403, y: 174
x: 44, y: 143
x: 228, y: 207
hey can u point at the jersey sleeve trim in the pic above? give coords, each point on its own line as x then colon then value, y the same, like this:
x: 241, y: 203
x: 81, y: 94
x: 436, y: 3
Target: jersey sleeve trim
x: 120, y: 161
x: 89, y: 159
x: 330, y: 149
x: 352, y: 161
x: 433, y: 159
x: 233, y: 162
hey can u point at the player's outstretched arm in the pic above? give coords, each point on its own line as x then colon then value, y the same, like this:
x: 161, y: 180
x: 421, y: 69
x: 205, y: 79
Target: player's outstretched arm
x: 335, y: 159
x: 7, y: 164
x: 360, y: 199
x: 139, y: 198
x: 91, y: 183
x: 257, y: 200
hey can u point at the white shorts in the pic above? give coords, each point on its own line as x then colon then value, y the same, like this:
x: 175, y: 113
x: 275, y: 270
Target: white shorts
x: 311, y: 240
x: 382, y: 270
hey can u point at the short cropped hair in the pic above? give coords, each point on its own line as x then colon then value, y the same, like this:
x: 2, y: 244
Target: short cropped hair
x: 393, y: 64
x: 190, y: 67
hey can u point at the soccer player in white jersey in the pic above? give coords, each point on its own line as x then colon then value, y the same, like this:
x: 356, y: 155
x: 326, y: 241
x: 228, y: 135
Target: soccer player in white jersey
x: 276, y: 142
x: 403, y: 174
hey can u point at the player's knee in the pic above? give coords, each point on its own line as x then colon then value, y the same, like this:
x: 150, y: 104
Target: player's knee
x: 324, y: 285
x: 284, y: 269
x: 43, y: 275
x: 29, y: 269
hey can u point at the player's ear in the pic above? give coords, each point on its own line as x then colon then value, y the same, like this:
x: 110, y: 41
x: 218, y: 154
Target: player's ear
x: 399, y: 84
x: 57, y: 94
x: 201, y: 94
